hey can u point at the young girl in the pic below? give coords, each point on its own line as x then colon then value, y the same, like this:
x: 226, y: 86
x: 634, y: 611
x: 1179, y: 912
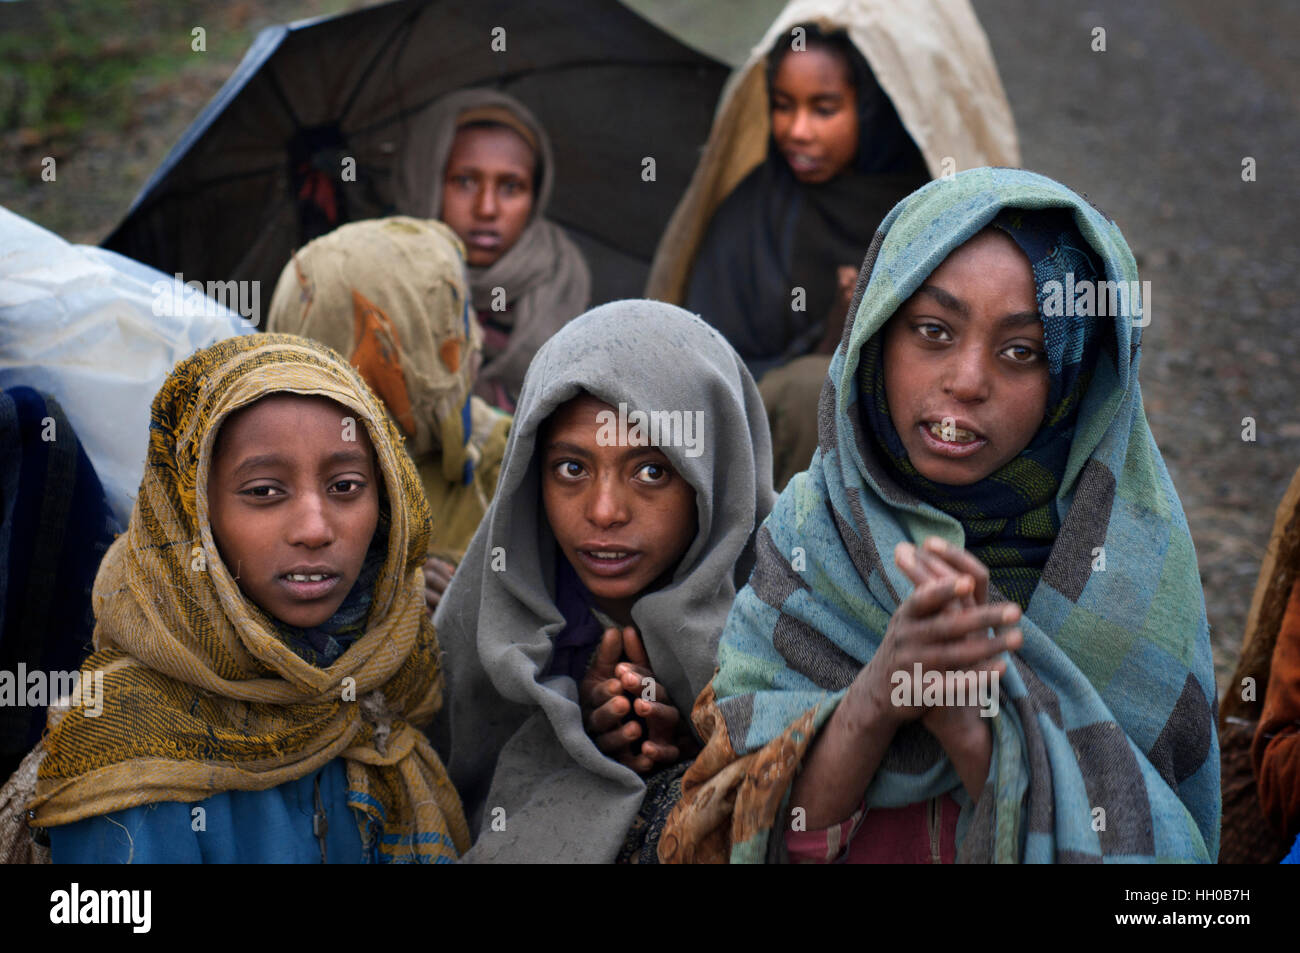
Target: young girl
x: 844, y: 108
x: 1035, y: 682
x: 838, y: 161
x: 481, y: 162
x: 263, y: 646
x: 390, y: 295
x: 586, y: 613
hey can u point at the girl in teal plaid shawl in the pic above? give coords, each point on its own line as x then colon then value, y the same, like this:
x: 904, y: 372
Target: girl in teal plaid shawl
x: 984, y: 400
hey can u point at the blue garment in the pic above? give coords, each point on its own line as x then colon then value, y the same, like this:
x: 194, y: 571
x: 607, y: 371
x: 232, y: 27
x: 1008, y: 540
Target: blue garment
x: 240, y: 827
x: 577, y: 641
x: 1294, y: 856
x: 55, y: 526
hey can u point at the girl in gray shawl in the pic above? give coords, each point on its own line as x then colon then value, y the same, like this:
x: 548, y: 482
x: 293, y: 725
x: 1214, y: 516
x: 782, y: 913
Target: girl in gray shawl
x: 542, y: 745
x: 481, y: 162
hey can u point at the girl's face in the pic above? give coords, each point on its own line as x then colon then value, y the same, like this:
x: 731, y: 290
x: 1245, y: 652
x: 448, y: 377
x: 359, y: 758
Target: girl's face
x: 294, y: 504
x: 622, y: 516
x: 965, y: 368
x: 815, y: 114
x: 487, y: 191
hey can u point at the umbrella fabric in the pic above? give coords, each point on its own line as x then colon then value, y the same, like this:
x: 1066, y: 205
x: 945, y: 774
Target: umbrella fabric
x: 262, y: 171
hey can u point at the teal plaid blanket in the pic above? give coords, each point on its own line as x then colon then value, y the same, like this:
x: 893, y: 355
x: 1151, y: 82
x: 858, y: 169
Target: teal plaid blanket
x: 1109, y: 704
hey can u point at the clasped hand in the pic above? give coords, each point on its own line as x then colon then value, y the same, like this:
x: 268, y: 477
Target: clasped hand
x: 623, y: 703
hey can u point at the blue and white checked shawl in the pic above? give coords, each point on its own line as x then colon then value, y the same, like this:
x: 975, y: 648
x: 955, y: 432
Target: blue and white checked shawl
x: 1109, y: 703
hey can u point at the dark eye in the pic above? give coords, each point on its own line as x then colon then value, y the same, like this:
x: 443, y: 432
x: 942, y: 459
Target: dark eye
x: 349, y: 485
x: 1027, y: 355
x: 568, y: 469
x: 652, y: 473
x: 260, y: 492
x: 922, y: 330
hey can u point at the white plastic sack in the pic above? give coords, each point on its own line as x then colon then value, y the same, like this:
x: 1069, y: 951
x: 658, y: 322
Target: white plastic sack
x: 99, y: 333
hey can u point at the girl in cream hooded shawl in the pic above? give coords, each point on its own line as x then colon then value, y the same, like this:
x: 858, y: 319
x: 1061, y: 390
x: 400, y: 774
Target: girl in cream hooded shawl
x: 515, y: 738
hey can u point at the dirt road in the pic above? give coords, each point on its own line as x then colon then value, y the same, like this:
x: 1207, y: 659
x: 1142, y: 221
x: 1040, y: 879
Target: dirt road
x: 1155, y: 130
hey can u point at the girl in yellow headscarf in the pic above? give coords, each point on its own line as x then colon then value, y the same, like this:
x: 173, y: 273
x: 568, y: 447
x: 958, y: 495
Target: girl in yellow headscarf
x: 391, y: 295
x: 264, y: 658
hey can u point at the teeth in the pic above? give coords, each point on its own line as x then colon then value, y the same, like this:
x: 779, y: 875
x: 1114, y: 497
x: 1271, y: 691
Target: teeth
x: 951, y: 435
x: 608, y: 554
x: 302, y: 577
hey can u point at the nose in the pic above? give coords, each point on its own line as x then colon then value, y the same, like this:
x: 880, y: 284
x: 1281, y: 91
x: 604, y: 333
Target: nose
x: 485, y: 202
x: 966, y: 377
x: 310, y: 525
x: 801, y: 130
x: 607, y: 504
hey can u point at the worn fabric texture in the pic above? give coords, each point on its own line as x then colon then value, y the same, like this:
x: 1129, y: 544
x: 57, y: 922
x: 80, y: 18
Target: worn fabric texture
x: 392, y: 297
x: 774, y: 234
x: 55, y: 526
x: 515, y: 739
x: 202, y: 693
x: 1276, y: 749
x: 1110, y: 702
x: 930, y: 57
x: 545, y: 277
x: 1009, y: 518
x: 1247, y: 836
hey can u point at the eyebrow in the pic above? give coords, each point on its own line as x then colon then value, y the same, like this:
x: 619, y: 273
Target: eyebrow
x: 1016, y: 319
x: 337, y: 458
x: 831, y: 96
x: 561, y: 446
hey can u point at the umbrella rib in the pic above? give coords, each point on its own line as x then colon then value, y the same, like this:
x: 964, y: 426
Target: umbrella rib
x: 284, y: 100
x: 402, y: 27
x: 507, y: 78
x: 199, y: 188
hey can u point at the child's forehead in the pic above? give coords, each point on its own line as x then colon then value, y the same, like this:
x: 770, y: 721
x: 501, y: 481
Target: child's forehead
x: 307, y: 419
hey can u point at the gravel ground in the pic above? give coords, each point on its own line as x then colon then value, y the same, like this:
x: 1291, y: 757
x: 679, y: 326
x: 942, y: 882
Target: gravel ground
x: 1154, y: 130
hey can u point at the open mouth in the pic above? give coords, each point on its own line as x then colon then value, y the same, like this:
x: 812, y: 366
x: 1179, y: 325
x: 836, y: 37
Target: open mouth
x: 488, y: 241
x: 950, y: 441
x: 952, y: 434
x: 608, y: 561
x: 802, y: 163
x: 309, y: 585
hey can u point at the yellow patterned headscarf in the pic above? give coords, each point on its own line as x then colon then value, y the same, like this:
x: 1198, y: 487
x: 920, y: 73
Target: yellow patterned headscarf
x: 200, y: 693
x: 390, y: 295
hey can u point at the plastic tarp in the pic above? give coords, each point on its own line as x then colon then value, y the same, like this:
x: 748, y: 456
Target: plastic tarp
x: 99, y: 333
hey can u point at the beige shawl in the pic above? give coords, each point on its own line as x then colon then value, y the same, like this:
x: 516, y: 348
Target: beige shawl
x: 930, y: 56
x: 544, y: 275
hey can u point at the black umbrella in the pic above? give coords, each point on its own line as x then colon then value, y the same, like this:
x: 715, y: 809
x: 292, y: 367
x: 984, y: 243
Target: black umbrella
x: 263, y: 169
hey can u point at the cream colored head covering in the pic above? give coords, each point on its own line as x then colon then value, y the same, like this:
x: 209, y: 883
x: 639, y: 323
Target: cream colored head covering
x: 931, y: 58
x: 391, y: 296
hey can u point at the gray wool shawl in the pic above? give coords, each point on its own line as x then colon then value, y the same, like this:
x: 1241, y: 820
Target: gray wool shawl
x: 545, y: 277
x: 535, y: 787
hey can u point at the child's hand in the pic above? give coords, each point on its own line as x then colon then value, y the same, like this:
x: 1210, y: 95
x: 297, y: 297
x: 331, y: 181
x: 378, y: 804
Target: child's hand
x: 437, y: 577
x: 939, y: 626
x: 600, y: 696
x: 614, y: 690
x: 936, y: 560
x: 667, y: 738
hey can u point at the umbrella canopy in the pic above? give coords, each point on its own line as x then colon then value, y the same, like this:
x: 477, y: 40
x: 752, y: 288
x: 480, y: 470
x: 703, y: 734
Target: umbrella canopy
x: 264, y: 169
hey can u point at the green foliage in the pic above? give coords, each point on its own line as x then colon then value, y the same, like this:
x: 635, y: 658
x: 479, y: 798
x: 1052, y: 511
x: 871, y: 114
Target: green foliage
x: 73, y: 62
